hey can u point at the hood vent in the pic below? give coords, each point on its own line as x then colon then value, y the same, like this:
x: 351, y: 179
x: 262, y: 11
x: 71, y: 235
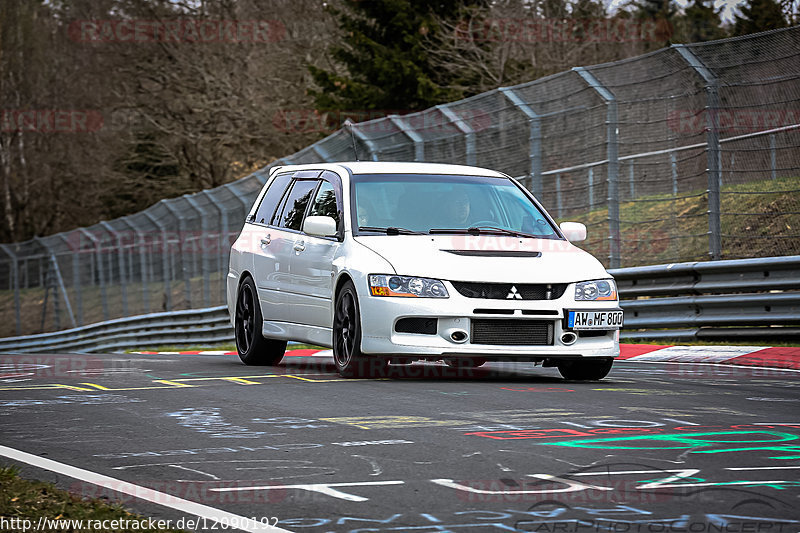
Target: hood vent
x: 494, y: 253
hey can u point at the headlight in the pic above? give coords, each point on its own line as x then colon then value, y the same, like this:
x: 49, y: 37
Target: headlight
x: 601, y: 289
x: 390, y: 285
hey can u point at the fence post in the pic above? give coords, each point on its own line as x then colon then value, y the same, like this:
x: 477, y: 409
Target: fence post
x: 416, y: 138
x: 714, y: 157
x: 559, y: 205
x: 321, y: 152
x: 15, y: 276
x: 142, y: 262
x: 54, y: 274
x: 206, y: 268
x: 463, y: 127
x: 121, y: 259
x: 773, y: 160
x: 183, y: 232
x: 373, y: 152
x: 631, y: 178
x: 100, y: 274
x: 674, y: 164
x: 612, y: 151
x: 222, y: 266
x: 534, y: 139
x: 165, y: 263
x: 75, y: 322
x: 242, y: 200
x: 76, y: 278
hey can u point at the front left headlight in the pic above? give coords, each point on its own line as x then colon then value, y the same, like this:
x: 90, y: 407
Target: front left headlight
x: 408, y: 286
x: 597, y: 290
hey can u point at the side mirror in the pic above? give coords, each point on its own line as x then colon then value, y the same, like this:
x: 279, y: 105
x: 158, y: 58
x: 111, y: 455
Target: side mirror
x: 320, y: 226
x: 573, y: 231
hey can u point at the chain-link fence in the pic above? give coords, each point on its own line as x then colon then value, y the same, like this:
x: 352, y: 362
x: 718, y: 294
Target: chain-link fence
x: 688, y: 153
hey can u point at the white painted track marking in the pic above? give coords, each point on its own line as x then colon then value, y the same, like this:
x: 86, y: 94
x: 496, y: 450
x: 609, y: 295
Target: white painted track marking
x: 323, y: 488
x: 700, y: 354
x: 143, y: 493
x: 695, y: 363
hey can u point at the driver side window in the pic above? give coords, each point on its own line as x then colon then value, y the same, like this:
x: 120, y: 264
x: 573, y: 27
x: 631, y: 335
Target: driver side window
x: 325, y: 203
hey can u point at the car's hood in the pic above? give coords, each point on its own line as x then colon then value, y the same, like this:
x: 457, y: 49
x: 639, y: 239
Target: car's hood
x: 485, y: 258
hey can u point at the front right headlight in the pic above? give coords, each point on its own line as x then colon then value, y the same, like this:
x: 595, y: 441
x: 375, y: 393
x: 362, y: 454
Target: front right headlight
x: 597, y: 290
x: 408, y: 286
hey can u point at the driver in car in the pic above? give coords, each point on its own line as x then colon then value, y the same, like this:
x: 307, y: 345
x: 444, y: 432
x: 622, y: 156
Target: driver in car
x: 457, y: 208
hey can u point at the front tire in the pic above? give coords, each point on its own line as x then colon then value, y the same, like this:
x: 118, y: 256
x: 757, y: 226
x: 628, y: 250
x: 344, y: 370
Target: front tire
x: 350, y: 361
x: 588, y: 370
x: 252, y: 347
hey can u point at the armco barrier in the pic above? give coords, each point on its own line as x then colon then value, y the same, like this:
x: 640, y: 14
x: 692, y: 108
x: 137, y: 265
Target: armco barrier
x: 745, y: 298
x: 716, y: 299
x: 179, y: 328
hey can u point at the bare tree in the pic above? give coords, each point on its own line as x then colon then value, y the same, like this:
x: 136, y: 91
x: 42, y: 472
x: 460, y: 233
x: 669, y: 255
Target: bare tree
x: 514, y: 41
x: 169, y: 116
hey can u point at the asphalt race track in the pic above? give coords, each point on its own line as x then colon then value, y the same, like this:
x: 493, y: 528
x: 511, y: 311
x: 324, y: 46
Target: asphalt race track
x: 509, y: 447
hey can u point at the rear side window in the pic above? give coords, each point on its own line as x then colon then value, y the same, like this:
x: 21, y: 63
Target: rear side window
x: 294, y: 205
x: 271, y: 199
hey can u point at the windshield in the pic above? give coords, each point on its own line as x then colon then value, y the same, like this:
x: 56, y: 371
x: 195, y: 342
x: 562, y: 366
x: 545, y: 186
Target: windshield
x: 421, y: 203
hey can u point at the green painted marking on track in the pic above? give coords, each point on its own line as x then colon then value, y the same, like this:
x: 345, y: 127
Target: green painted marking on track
x: 686, y: 441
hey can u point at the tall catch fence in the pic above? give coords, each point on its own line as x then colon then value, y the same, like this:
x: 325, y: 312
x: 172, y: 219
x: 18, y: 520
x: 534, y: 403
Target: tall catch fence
x: 688, y: 153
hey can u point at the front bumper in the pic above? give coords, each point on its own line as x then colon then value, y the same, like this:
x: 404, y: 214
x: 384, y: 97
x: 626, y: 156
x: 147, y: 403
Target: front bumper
x: 379, y: 316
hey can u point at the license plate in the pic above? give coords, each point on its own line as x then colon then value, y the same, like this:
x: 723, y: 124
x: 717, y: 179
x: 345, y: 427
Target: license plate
x: 582, y: 320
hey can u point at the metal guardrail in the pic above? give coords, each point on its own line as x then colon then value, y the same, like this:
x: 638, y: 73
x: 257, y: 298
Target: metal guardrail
x: 747, y: 298
x: 714, y: 300
x: 177, y: 328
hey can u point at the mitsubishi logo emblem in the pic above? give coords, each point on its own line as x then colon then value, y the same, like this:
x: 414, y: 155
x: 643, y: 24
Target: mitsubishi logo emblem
x: 514, y: 294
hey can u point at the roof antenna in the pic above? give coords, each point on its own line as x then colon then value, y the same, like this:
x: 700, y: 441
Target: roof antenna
x: 349, y: 124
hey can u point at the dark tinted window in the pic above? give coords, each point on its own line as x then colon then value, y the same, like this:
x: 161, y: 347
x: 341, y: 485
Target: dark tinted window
x: 271, y: 198
x: 325, y: 203
x: 294, y: 207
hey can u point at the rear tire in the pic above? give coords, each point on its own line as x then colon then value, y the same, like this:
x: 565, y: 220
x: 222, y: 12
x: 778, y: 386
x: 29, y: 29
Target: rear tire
x: 350, y: 361
x: 588, y: 370
x: 252, y: 347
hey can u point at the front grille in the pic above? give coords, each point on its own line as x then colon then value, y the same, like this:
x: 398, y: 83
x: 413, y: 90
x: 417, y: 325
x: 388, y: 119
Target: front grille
x: 423, y: 326
x: 501, y: 291
x: 512, y: 332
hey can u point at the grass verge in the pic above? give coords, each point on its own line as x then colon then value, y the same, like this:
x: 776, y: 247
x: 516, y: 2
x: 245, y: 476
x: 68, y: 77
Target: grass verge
x: 22, y: 500
x: 758, y: 219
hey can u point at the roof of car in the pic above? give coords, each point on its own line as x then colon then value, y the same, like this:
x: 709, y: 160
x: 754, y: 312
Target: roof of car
x: 389, y: 167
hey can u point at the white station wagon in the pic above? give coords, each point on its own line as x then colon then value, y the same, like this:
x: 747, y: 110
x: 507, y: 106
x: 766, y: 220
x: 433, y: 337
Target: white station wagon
x: 398, y: 262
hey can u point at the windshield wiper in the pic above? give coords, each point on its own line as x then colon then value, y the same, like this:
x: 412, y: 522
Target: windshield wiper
x: 391, y: 230
x: 486, y: 230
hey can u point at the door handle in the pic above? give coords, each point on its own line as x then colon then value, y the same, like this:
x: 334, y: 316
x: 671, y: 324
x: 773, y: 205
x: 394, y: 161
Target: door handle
x: 299, y: 246
x: 265, y: 240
